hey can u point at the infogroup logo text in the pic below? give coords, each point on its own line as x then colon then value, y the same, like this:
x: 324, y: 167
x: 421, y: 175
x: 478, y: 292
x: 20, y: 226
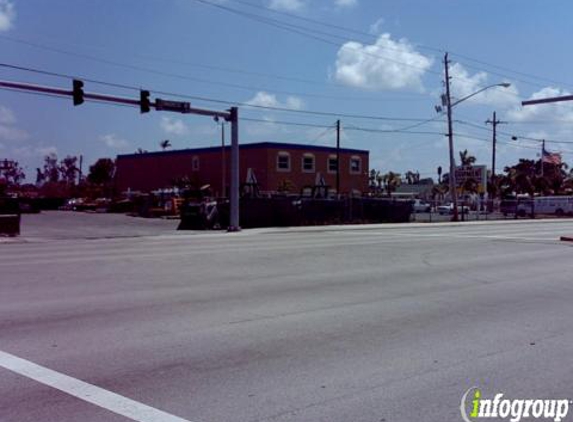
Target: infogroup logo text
x: 514, y: 410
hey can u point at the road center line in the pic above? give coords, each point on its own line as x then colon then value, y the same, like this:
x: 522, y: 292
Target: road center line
x: 90, y: 393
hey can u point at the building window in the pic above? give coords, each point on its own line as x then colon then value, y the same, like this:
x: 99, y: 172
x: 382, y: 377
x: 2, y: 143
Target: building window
x: 308, y: 163
x: 332, y: 164
x: 355, y: 165
x: 195, y: 163
x: 283, y: 161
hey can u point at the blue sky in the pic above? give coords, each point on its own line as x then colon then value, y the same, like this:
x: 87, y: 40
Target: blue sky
x: 389, y: 67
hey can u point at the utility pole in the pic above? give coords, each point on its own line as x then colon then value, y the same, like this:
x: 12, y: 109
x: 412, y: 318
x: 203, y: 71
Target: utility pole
x: 80, y: 175
x: 338, y: 157
x: 494, y: 124
x: 452, y: 176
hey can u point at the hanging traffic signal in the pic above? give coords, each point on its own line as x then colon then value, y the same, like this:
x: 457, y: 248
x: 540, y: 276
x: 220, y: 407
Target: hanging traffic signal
x: 144, y: 104
x: 78, y: 92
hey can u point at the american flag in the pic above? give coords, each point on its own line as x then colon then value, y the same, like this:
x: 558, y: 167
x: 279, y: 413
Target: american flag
x: 550, y: 157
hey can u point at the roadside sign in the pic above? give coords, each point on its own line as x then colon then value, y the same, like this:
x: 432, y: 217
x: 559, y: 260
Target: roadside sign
x: 177, y: 106
x: 477, y: 173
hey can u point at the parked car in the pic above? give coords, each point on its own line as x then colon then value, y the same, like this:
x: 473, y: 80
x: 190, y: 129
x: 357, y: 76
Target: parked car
x: 420, y: 206
x: 449, y: 209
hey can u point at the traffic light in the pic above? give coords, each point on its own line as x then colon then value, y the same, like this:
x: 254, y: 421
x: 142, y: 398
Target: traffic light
x: 78, y: 92
x: 144, y: 104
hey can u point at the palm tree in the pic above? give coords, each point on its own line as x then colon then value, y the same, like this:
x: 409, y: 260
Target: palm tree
x: 379, y: 180
x: 470, y: 186
x: 439, y: 192
x: 410, y: 175
x: 372, y: 179
x: 466, y: 159
x: 391, y: 181
x: 165, y: 144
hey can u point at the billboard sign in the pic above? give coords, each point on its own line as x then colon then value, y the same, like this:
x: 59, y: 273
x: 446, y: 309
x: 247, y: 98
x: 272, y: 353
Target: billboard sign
x: 477, y: 173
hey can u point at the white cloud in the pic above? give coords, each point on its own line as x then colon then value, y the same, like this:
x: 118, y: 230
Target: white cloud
x: 113, y: 141
x: 6, y: 116
x: 7, y: 15
x: 173, y: 126
x: 387, y: 64
x: 265, y: 99
x: 7, y: 130
x: 28, y: 151
x: 376, y: 27
x: 46, y: 150
x: 561, y: 112
x: 288, y: 5
x: 555, y: 119
x: 263, y: 130
x: 294, y: 102
x: 464, y: 84
x: 345, y: 3
x: 8, y: 133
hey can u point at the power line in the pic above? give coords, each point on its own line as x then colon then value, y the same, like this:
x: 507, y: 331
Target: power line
x: 306, y: 32
x: 323, y: 133
x: 477, y: 126
x: 302, y: 18
x: 285, y: 123
x: 200, y: 98
x: 300, y: 30
x: 422, y: 46
x: 186, y: 63
x: 296, y: 123
x: 206, y: 81
x: 527, y: 75
x: 306, y: 29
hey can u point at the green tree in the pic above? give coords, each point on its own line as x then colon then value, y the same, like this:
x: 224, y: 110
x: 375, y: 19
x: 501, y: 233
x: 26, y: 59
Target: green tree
x: 51, y: 170
x: 102, y: 172
x: 12, y: 172
x: 69, y: 170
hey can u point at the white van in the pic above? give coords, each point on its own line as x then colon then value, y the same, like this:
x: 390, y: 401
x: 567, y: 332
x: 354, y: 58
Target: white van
x: 557, y: 205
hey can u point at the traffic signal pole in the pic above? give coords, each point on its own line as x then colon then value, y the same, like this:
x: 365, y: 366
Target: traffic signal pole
x: 232, y: 116
x: 234, y: 194
x: 338, y: 158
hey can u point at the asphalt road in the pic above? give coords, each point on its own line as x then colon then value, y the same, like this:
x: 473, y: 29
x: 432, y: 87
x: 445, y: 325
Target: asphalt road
x: 335, y: 324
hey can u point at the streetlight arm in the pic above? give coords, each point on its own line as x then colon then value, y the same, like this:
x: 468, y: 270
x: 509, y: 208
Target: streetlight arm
x: 504, y: 85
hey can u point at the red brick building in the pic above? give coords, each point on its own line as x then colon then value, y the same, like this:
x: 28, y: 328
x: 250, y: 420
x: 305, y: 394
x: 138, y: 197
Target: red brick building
x: 273, y: 164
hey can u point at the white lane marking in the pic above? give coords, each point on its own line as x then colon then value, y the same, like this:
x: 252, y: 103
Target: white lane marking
x: 82, y: 390
x: 478, y: 236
